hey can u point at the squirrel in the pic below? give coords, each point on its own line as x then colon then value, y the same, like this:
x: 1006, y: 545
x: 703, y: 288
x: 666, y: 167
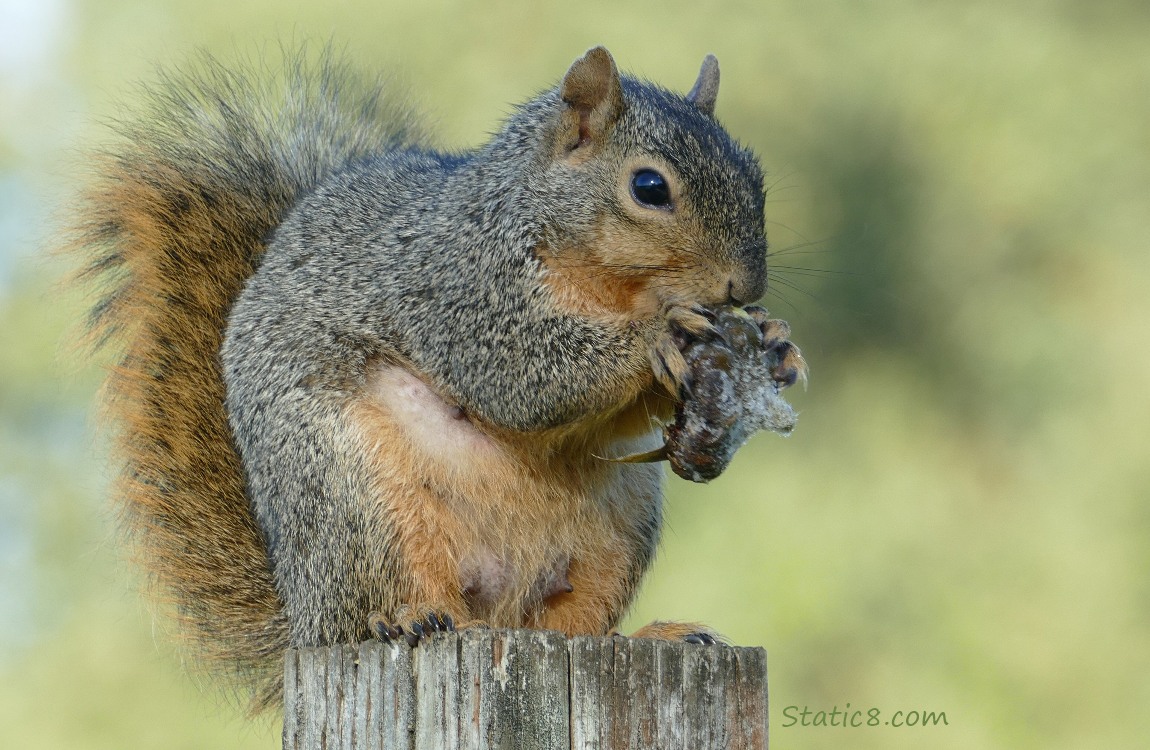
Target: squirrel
x: 365, y: 387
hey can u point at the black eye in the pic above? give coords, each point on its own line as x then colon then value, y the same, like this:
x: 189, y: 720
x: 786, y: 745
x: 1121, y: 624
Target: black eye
x: 649, y: 188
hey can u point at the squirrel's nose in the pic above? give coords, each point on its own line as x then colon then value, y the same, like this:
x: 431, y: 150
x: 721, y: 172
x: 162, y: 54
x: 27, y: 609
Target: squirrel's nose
x: 742, y: 290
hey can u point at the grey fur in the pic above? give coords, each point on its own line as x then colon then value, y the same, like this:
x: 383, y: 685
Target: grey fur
x: 429, y: 259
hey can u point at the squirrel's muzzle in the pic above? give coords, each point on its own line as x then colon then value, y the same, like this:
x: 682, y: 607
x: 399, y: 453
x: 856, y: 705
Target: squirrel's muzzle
x: 743, y: 288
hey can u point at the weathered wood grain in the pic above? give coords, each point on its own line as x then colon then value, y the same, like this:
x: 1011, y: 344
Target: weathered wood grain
x: 525, y: 690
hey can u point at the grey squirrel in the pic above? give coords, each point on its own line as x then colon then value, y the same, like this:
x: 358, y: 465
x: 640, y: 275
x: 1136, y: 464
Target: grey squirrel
x: 364, y: 386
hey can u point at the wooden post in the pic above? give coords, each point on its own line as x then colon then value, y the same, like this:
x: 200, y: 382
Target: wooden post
x: 525, y: 690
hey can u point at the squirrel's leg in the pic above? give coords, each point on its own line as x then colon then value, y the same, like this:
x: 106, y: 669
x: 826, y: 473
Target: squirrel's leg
x: 312, y: 512
x: 425, y: 595
x: 428, y: 598
x: 351, y: 531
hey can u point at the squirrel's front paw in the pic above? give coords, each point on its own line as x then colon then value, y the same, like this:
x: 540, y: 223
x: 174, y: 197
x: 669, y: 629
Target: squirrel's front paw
x: 410, y: 625
x: 784, y: 358
x: 684, y: 324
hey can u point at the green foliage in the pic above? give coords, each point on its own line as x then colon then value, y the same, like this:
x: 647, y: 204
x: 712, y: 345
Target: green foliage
x: 959, y: 221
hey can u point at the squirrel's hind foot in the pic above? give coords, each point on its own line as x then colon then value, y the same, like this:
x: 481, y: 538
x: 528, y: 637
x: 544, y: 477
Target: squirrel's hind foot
x: 411, y: 625
x: 687, y: 632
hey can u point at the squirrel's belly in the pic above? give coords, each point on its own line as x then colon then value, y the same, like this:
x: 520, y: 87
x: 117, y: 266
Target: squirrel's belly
x: 508, y: 538
x: 434, y: 427
x: 495, y: 591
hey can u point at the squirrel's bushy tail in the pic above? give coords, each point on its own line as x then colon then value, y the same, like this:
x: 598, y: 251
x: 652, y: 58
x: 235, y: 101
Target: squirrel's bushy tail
x: 172, y: 226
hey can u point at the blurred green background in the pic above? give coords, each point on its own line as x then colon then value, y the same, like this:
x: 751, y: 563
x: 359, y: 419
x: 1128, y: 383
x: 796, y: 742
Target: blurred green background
x: 960, y: 210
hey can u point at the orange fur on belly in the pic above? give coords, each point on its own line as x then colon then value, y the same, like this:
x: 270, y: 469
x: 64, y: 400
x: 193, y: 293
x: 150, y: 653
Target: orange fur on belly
x: 510, y: 529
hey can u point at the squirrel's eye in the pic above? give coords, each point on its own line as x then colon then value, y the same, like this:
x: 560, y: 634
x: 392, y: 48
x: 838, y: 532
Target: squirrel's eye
x: 649, y: 188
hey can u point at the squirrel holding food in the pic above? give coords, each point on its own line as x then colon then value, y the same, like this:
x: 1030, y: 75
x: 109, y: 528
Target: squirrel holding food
x: 367, y: 388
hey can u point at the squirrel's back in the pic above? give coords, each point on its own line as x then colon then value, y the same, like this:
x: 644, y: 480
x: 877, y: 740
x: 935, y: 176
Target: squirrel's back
x: 171, y: 228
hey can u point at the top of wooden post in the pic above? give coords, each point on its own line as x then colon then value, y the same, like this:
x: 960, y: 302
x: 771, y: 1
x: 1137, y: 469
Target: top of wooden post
x: 525, y: 690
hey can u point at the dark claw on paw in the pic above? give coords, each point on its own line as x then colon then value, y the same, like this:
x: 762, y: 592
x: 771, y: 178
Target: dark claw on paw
x: 784, y: 373
x: 387, y: 632
x: 687, y: 385
x: 785, y: 377
x: 700, y: 639
x: 416, y: 631
x: 707, y: 313
x: 437, y: 623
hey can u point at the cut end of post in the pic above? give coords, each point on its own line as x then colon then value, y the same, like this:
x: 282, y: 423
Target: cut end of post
x: 527, y: 689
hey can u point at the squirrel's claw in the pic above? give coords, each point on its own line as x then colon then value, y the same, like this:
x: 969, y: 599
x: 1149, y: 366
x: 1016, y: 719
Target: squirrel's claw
x: 791, y: 366
x: 439, y: 623
x: 670, y: 368
x: 649, y: 457
x: 416, y: 630
x: 383, y: 630
x: 695, y: 320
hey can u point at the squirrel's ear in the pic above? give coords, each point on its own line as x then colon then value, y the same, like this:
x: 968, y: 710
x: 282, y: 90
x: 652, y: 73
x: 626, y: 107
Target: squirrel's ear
x: 594, y: 98
x: 706, y: 88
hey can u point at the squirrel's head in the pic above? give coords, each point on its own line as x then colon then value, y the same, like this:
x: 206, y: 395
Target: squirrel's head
x: 650, y: 201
